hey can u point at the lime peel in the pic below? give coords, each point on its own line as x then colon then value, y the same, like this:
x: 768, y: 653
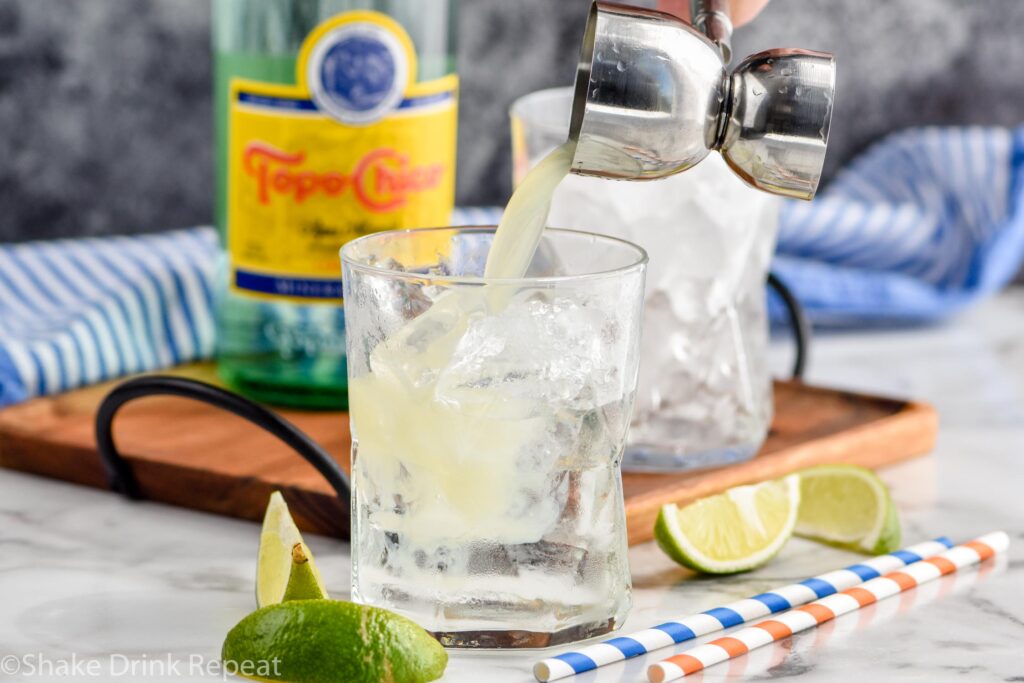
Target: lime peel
x: 328, y: 641
x: 304, y: 581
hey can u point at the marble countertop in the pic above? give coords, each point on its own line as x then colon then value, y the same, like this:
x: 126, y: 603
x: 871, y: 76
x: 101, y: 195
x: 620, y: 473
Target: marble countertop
x: 97, y: 584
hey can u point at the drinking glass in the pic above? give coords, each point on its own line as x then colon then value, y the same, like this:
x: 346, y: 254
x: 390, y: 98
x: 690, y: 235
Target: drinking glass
x: 488, y: 423
x: 705, y: 392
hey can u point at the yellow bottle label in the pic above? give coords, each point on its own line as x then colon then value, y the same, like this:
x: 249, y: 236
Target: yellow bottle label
x: 356, y: 146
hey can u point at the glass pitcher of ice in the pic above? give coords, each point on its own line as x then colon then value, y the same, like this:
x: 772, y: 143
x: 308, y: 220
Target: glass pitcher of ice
x: 704, y: 396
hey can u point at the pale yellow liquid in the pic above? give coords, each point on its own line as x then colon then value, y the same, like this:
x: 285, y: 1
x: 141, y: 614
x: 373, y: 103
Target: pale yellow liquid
x: 477, y: 504
x: 431, y: 450
x: 526, y: 215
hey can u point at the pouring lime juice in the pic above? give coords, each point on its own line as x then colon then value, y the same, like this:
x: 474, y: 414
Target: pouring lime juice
x: 492, y: 376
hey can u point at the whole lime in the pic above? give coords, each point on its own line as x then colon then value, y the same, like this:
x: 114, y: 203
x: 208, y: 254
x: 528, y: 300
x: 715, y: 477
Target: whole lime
x: 327, y: 641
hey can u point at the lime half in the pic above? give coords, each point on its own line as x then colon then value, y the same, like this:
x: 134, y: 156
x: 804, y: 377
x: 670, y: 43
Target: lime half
x: 848, y: 506
x: 326, y: 641
x: 734, y: 531
x: 285, y: 569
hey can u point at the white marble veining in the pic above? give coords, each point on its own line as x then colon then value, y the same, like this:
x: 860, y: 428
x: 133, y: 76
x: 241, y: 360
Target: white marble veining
x: 87, y: 575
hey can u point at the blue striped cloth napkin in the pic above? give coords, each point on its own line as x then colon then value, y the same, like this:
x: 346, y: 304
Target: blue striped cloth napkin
x: 921, y: 224
x: 74, y: 312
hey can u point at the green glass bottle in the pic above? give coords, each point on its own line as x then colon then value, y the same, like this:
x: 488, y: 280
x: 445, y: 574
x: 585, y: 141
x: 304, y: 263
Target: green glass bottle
x: 334, y: 119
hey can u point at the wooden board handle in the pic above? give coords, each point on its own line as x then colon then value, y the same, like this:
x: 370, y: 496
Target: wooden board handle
x: 119, y: 472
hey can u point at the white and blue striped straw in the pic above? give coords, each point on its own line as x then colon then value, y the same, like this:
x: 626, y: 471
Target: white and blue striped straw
x: 694, y: 626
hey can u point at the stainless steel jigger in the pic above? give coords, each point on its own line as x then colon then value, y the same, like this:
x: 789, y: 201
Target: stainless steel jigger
x: 653, y: 98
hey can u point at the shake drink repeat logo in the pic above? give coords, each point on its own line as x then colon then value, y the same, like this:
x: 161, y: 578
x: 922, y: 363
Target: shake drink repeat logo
x: 74, y: 667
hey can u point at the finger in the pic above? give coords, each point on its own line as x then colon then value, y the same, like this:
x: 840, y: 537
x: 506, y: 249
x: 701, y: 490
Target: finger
x: 745, y: 10
x: 680, y: 8
x: 742, y: 11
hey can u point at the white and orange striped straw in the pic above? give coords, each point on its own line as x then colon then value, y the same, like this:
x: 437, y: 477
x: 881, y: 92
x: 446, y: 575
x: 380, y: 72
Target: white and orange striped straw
x: 828, y: 608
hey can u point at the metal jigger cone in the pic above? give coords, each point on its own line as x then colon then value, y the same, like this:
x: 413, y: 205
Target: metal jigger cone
x: 653, y: 98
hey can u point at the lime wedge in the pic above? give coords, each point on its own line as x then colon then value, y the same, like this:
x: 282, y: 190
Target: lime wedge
x: 285, y: 569
x: 847, y: 506
x: 304, y: 581
x: 734, y: 531
x: 327, y: 641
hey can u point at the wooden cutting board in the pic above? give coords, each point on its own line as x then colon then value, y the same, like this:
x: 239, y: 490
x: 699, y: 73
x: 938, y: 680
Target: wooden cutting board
x: 189, y: 454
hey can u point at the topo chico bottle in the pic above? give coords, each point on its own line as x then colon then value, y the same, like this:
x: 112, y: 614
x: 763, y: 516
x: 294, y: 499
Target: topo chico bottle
x: 334, y: 119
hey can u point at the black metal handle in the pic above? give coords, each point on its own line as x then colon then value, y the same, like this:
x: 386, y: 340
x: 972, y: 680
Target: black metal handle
x: 798, y: 322
x: 119, y: 472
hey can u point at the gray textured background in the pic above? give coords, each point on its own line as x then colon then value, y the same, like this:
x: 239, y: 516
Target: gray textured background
x: 105, y: 118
